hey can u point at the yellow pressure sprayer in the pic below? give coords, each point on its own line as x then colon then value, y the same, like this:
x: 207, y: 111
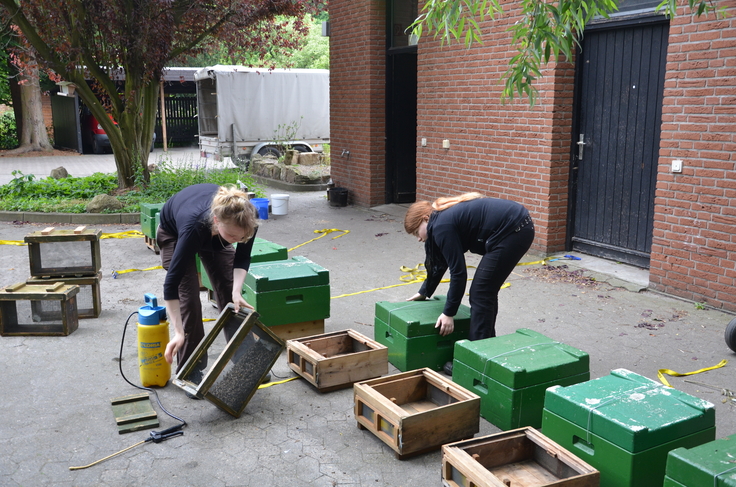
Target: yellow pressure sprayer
x: 153, y: 336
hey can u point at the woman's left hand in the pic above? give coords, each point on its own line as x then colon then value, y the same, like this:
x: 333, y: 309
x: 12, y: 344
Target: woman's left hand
x: 239, y: 302
x: 446, y: 324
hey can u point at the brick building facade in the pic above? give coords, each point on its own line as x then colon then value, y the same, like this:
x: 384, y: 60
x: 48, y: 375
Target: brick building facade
x: 528, y: 154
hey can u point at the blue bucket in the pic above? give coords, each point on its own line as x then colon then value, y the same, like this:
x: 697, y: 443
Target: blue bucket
x: 261, y: 205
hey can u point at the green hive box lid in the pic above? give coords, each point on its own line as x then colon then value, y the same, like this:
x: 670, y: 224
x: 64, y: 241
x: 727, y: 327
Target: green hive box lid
x: 417, y: 318
x: 712, y: 463
x: 522, y: 359
x: 265, y: 251
x: 630, y: 410
x: 292, y: 273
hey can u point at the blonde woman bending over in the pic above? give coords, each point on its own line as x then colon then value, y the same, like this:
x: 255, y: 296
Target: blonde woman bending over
x: 204, y: 219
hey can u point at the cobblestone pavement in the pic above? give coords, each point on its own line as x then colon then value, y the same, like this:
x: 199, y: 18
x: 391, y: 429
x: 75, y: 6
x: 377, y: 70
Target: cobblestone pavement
x: 55, y: 410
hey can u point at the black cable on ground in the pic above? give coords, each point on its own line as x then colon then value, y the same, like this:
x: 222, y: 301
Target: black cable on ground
x: 120, y: 364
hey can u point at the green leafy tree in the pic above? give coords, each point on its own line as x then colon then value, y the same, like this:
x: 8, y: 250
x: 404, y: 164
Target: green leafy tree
x: 106, y: 40
x: 545, y: 30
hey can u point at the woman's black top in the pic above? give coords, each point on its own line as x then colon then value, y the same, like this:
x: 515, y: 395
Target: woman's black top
x: 476, y: 226
x: 187, y: 215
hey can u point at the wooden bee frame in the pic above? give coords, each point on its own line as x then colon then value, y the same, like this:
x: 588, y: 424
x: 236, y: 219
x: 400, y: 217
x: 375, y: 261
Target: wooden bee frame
x: 64, y: 253
x: 241, y: 365
x: 49, y: 310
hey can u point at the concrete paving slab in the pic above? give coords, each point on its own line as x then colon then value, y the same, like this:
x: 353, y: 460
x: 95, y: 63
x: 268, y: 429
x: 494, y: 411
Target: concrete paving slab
x: 56, y: 413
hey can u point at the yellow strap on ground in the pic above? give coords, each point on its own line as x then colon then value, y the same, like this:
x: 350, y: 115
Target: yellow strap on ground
x: 324, y: 231
x: 12, y: 242
x: 543, y: 261
x: 128, y: 234
x: 115, y: 274
x: 661, y: 372
x: 269, y: 384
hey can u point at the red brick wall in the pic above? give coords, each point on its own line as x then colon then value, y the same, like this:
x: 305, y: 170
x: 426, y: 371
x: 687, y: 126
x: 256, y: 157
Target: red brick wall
x: 357, y: 98
x: 694, y: 241
x: 510, y: 151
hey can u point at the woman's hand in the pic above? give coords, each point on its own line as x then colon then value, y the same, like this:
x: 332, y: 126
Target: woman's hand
x: 240, y: 302
x: 417, y: 297
x: 173, y: 346
x: 446, y: 324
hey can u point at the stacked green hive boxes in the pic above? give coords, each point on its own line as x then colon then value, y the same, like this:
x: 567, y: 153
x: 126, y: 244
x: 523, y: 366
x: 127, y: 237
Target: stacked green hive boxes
x: 408, y: 330
x: 511, y: 373
x: 710, y: 464
x: 624, y: 425
x: 263, y: 251
x: 149, y: 223
x: 288, y: 291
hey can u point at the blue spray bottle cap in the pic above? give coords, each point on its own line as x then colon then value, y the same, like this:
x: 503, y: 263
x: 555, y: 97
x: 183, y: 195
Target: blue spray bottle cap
x: 151, y: 314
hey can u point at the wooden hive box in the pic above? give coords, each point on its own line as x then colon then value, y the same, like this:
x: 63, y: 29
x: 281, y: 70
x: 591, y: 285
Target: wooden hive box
x: 522, y: 457
x: 49, y: 310
x: 407, y: 329
x: 337, y: 360
x: 89, y: 301
x: 511, y: 373
x: 64, y: 253
x: 228, y: 372
x: 625, y: 424
x: 417, y: 411
x: 712, y: 463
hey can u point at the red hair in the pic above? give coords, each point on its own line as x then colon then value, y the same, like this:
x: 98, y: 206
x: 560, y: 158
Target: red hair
x: 420, y: 210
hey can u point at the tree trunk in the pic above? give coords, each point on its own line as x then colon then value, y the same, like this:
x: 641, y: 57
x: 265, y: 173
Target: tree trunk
x: 33, y: 136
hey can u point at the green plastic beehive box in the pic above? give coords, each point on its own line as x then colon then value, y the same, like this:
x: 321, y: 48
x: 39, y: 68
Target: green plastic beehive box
x: 408, y: 330
x: 288, y: 291
x: 263, y: 251
x: 150, y: 209
x: 511, y: 373
x: 624, y: 425
x: 148, y: 225
x: 712, y: 463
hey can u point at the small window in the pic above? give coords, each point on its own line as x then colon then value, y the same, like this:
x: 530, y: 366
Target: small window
x: 402, y: 14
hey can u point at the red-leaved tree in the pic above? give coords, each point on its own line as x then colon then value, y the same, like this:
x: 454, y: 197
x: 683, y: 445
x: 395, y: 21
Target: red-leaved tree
x: 106, y: 41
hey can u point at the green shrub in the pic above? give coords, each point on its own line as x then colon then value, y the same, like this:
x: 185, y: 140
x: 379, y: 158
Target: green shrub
x: 8, y: 131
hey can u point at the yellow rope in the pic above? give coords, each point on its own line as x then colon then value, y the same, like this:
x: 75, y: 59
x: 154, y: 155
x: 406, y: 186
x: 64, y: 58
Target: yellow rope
x: 128, y: 234
x: 324, y: 231
x: 661, y: 372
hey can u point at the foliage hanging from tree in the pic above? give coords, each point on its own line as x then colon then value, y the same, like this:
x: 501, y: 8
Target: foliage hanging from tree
x: 108, y: 41
x: 544, y: 31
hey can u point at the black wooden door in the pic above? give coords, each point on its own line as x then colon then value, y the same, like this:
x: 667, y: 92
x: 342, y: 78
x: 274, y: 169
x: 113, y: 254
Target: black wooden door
x: 401, y: 126
x: 620, y: 76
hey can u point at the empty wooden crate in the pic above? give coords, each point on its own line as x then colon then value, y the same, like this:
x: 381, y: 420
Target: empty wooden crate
x: 89, y: 301
x: 64, y: 253
x: 416, y: 411
x: 522, y: 457
x: 27, y: 309
x: 336, y: 360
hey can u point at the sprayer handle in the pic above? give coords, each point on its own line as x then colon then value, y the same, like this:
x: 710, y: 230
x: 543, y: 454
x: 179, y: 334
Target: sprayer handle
x: 151, y: 300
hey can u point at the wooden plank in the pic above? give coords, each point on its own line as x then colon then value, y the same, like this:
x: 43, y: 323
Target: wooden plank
x: 134, y: 413
x: 47, y: 230
x: 79, y: 229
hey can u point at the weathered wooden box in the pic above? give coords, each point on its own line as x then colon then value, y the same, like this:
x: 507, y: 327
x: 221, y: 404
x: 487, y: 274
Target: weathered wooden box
x: 49, y: 310
x: 89, y: 301
x: 712, y: 463
x: 408, y: 330
x: 64, y: 253
x: 511, y: 373
x: 625, y: 424
x: 416, y: 411
x: 522, y: 457
x: 336, y: 360
x: 228, y: 373
x: 286, y: 292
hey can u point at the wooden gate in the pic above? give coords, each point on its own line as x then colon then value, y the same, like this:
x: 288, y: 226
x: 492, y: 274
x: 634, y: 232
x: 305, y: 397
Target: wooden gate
x: 620, y: 80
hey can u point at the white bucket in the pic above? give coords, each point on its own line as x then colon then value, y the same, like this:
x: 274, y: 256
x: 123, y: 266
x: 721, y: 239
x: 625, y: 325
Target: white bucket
x: 279, y: 204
